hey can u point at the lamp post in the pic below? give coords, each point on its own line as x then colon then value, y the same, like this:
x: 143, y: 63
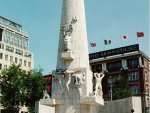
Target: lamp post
x: 111, y: 83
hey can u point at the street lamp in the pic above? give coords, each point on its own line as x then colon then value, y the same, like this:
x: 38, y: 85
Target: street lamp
x: 110, y: 81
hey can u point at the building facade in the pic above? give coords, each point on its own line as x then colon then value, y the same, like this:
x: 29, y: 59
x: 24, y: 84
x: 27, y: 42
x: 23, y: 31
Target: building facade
x: 14, y: 48
x: 129, y: 62
x: 14, y: 45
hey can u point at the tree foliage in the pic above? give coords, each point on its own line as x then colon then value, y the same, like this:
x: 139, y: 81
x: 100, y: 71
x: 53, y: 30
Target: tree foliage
x: 34, y: 86
x: 20, y: 88
x: 121, y: 89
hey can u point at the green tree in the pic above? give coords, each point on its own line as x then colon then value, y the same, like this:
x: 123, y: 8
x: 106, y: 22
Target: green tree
x: 20, y: 88
x: 11, y: 88
x: 35, y: 88
x: 121, y: 89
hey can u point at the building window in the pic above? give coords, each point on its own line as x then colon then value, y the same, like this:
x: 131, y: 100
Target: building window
x: 29, y: 64
x: 11, y: 58
x: 134, y: 75
x: 20, y: 61
x: 25, y: 63
x: 135, y: 89
x: 28, y: 54
x: 0, y: 66
x: 146, y: 89
x: 19, y: 52
x: 97, y: 68
x: 5, y: 66
x: 16, y: 39
x: 9, y: 48
x: 1, y: 32
x: 133, y: 63
x: 1, y: 46
x: 146, y: 77
x: 148, y: 103
x: 23, y: 112
x: 16, y: 60
x: 114, y: 66
x: 6, y: 57
x: 1, y: 55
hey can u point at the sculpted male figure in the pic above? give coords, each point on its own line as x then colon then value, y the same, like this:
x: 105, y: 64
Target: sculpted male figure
x: 98, y: 86
x: 66, y: 32
x: 79, y: 80
x: 68, y: 75
x: 67, y: 42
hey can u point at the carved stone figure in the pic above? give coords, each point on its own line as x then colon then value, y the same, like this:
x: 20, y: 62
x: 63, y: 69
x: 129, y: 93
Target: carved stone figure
x: 61, y: 83
x: 70, y: 29
x: 63, y: 31
x: 45, y: 94
x: 67, y: 42
x: 98, y: 86
x: 64, y: 79
x: 68, y: 75
x: 66, y: 32
x: 79, y: 80
x: 74, y: 20
x: 58, y: 76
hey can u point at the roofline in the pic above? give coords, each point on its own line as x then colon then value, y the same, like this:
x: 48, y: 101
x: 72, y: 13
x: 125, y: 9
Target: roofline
x: 10, y: 20
x: 12, y: 30
x: 146, y: 56
x: 120, y: 56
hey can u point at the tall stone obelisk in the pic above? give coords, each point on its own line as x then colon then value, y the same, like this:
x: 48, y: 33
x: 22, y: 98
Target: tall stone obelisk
x: 72, y: 81
x: 73, y: 23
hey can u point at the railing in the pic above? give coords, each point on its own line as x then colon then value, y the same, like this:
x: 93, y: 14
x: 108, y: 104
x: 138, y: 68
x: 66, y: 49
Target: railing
x: 14, y: 28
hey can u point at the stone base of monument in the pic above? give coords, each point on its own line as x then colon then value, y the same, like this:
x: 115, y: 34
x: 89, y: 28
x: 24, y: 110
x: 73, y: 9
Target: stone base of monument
x: 67, y: 56
x: 51, y: 102
x: 83, y: 100
x: 117, y: 106
x: 83, y: 105
x: 92, y: 100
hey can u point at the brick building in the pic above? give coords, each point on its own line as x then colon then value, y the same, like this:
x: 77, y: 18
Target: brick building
x: 129, y: 62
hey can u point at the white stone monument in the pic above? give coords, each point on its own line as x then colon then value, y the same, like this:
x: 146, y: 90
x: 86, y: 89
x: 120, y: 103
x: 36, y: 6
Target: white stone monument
x: 72, y: 81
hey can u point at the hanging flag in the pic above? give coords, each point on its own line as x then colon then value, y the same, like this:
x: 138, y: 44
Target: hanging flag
x: 107, y: 42
x: 124, y: 37
x: 93, y: 44
x: 140, y: 34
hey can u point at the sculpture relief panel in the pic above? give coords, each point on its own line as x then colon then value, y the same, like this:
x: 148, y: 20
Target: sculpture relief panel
x: 66, y: 33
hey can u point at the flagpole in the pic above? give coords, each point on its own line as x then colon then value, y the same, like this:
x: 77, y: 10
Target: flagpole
x: 104, y: 47
x: 121, y: 41
x: 104, y: 44
x: 137, y: 38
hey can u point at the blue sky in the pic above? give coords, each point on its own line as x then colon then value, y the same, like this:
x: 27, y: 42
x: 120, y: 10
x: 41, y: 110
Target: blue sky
x: 106, y: 19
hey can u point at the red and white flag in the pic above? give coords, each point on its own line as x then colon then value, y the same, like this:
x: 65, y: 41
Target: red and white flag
x: 140, y: 34
x: 124, y: 37
x: 93, y: 44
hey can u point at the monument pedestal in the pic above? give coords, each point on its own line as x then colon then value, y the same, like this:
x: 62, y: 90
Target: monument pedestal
x: 92, y: 100
x: 82, y: 105
x: 51, y: 102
